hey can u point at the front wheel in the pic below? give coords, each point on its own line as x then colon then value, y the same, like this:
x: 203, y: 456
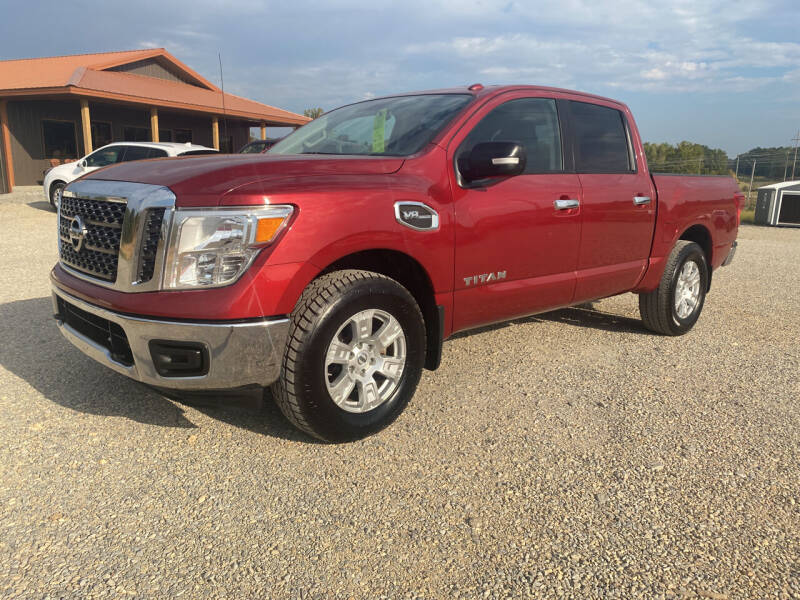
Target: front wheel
x: 55, y: 193
x: 354, y: 357
x: 674, y: 307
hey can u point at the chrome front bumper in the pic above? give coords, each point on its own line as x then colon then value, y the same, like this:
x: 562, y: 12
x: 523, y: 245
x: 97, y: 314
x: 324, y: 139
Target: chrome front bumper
x: 239, y: 354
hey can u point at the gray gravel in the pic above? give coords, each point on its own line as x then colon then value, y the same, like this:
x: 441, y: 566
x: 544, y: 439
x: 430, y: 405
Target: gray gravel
x: 567, y: 455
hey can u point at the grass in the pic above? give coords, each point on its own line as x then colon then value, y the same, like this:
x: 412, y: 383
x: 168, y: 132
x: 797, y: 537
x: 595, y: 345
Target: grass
x: 748, y: 216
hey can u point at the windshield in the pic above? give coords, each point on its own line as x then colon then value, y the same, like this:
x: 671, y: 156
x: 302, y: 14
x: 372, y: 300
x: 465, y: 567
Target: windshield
x: 397, y: 126
x: 253, y: 148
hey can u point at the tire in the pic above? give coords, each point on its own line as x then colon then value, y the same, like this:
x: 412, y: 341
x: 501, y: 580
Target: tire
x: 674, y: 307
x: 332, y: 341
x: 55, y: 193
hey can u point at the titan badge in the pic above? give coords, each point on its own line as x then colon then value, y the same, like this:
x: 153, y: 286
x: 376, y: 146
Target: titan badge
x: 484, y: 278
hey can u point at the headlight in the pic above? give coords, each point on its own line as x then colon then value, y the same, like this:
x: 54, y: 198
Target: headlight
x: 212, y: 248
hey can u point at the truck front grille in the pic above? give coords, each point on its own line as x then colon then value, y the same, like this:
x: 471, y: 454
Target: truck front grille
x: 150, y: 239
x: 101, y: 331
x: 98, y: 253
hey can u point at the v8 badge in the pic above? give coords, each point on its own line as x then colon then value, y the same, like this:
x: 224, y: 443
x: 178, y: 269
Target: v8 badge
x: 416, y: 215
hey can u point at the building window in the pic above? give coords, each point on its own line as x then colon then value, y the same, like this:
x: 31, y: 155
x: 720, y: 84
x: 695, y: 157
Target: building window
x: 164, y: 135
x: 101, y: 134
x: 183, y: 135
x: 136, y: 134
x: 59, y: 139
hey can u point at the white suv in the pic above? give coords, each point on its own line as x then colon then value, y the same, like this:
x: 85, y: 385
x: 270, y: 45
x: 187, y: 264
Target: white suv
x: 57, y: 178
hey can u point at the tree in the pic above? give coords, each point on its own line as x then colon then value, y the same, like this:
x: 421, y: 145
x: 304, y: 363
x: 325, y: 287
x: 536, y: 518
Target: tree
x: 313, y: 113
x: 686, y: 157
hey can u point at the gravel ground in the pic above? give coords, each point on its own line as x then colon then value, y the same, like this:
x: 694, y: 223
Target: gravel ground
x: 568, y: 455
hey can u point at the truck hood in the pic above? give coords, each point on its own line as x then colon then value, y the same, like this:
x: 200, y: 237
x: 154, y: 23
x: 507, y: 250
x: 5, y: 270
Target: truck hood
x: 203, y: 180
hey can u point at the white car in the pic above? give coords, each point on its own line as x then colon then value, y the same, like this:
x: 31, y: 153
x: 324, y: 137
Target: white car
x: 57, y: 178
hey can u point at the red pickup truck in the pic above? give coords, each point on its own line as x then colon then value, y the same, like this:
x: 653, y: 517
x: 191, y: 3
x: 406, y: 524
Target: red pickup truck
x: 333, y: 267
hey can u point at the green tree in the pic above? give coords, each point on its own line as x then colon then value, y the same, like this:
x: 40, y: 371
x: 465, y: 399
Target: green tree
x: 313, y: 113
x: 686, y: 157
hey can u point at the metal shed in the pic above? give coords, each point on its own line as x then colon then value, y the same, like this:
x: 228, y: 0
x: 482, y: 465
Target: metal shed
x: 778, y: 204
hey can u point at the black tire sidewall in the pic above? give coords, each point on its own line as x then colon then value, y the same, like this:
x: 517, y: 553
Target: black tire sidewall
x: 694, y: 253
x: 333, y: 422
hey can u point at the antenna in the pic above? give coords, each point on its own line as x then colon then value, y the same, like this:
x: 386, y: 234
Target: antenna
x: 224, y: 114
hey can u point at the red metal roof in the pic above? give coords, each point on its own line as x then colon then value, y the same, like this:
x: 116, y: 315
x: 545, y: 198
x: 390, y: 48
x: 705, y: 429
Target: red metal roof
x: 87, y: 75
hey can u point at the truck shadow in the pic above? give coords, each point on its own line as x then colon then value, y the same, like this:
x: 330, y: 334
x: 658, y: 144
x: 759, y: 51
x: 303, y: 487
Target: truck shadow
x: 42, y: 205
x: 33, y: 350
x: 583, y: 315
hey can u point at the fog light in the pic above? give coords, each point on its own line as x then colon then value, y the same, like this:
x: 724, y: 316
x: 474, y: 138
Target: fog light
x: 179, y: 359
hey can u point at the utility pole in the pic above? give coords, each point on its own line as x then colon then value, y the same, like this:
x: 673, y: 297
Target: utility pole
x: 737, y: 168
x: 794, y: 162
x: 750, y: 188
x: 786, y: 165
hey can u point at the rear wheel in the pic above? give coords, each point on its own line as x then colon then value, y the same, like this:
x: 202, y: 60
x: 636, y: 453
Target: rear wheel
x: 354, y: 358
x: 674, y: 307
x: 55, y: 193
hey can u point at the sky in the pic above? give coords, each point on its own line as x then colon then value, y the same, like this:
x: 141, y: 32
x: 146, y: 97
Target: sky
x: 721, y: 73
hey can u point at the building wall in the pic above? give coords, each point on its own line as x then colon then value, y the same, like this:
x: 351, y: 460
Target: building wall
x: 201, y: 128
x: 150, y: 67
x: 27, y: 139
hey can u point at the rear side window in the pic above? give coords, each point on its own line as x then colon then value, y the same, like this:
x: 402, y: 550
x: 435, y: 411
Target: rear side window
x: 135, y: 153
x: 601, y: 139
x: 156, y: 153
x: 532, y: 122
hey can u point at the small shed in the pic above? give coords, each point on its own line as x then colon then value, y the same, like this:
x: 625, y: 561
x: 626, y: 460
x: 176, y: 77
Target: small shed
x: 778, y: 204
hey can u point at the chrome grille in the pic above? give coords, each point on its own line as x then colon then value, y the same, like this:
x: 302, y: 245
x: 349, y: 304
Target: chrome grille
x: 124, y: 226
x: 151, y: 236
x: 103, y: 220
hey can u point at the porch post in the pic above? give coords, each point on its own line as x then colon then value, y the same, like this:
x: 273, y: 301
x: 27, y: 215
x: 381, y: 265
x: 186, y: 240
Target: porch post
x: 215, y: 132
x: 263, y: 130
x: 154, y: 123
x: 86, y: 124
x: 6, y: 140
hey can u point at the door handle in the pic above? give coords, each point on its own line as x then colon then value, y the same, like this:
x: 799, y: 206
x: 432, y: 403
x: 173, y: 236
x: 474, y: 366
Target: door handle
x: 641, y: 200
x: 566, y: 204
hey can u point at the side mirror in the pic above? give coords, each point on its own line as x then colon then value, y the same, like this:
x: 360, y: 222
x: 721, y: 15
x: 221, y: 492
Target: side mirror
x: 495, y: 159
x: 82, y: 163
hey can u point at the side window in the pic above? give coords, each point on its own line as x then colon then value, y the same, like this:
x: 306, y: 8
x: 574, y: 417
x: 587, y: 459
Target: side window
x: 601, y: 139
x: 136, y: 153
x: 532, y: 122
x: 105, y: 156
x: 156, y: 153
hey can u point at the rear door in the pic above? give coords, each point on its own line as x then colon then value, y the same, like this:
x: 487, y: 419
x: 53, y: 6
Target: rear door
x: 618, y: 206
x: 515, y: 251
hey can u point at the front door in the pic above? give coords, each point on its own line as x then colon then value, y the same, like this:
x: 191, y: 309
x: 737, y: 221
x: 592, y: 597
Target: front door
x: 517, y: 238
